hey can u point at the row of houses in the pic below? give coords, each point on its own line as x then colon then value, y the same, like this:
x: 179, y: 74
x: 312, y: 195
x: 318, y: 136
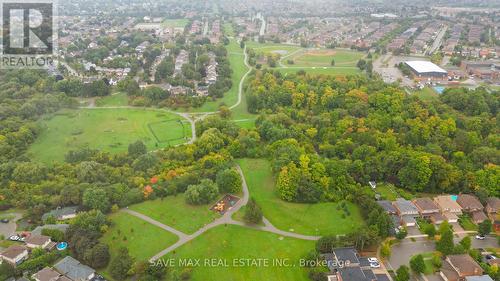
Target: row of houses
x: 441, y: 208
x: 17, y: 254
x: 67, y: 269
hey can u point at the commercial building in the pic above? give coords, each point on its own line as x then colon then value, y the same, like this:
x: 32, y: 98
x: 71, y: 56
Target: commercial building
x: 426, y: 70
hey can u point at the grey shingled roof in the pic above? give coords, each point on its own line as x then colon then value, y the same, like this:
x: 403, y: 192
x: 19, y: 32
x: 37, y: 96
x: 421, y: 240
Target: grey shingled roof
x: 61, y: 227
x: 405, y: 206
x: 58, y: 213
x: 387, y: 206
x: 73, y: 269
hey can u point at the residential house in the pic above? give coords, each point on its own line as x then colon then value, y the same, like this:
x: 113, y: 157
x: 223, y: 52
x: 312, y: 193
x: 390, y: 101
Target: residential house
x: 345, y: 264
x: 14, y: 254
x: 73, y: 269
x: 407, y: 211
x: 450, y: 209
x: 65, y: 213
x: 478, y: 278
x: 38, y: 241
x: 388, y: 207
x: 458, y: 267
x: 472, y: 206
x: 48, y: 274
x: 426, y: 207
x: 61, y: 227
x: 492, y: 207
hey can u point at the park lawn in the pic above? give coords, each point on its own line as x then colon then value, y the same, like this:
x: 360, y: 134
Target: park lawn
x: 118, y: 99
x: 273, y: 48
x: 427, y: 94
x: 323, y: 57
x: 110, y: 130
x: 176, y: 23
x: 142, y: 239
x: 227, y: 243
x: 175, y: 212
x: 335, y: 71
x: 308, y: 219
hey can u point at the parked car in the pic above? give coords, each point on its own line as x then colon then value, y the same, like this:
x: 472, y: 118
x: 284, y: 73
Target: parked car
x: 480, y: 237
x: 4, y: 220
x: 374, y: 260
x: 490, y: 257
x: 375, y: 265
x: 14, y: 238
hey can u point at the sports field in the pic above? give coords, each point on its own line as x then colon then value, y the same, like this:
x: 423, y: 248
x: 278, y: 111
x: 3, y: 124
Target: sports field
x: 324, y: 57
x: 309, y: 219
x: 175, y: 23
x: 239, y: 254
x: 109, y: 130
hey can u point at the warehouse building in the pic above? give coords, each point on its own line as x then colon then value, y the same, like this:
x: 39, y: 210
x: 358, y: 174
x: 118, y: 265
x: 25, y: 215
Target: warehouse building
x: 426, y: 70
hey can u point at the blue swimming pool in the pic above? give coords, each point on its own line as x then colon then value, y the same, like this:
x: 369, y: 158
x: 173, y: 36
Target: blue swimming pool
x: 454, y: 197
x: 62, y: 246
x: 439, y: 89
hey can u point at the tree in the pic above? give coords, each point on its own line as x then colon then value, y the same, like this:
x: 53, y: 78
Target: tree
x: 229, y: 181
x: 403, y: 273
x: 137, y: 149
x: 430, y: 230
x: 466, y: 243
x: 385, y: 250
x: 332, y: 63
x: 202, y: 193
x: 485, y: 227
x: 401, y: 234
x: 121, y: 264
x: 95, y: 198
x: 253, y: 213
x: 97, y: 256
x: 417, y: 264
x: 445, y: 244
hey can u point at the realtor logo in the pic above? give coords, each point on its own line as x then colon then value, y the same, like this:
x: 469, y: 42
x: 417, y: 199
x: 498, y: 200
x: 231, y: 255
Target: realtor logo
x: 28, y: 32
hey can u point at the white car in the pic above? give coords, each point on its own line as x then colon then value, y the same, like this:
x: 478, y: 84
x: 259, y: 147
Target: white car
x: 375, y: 265
x: 14, y: 238
x: 373, y: 260
x: 480, y: 237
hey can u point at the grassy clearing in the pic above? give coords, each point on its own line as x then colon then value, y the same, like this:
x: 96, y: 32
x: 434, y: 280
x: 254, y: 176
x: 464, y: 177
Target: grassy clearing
x: 310, y: 219
x: 466, y: 223
x: 176, y: 23
x: 109, y: 130
x: 142, y: 239
x: 427, y: 94
x: 224, y: 244
x: 324, y: 57
x: 119, y: 99
x: 320, y: 70
x: 175, y: 212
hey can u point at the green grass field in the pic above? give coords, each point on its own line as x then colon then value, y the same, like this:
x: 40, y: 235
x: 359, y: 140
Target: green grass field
x: 176, y: 23
x: 323, y: 58
x: 175, y: 212
x: 320, y: 70
x: 109, y: 130
x: 310, y: 219
x: 142, y: 239
x: 427, y: 94
x: 227, y: 243
x: 119, y: 99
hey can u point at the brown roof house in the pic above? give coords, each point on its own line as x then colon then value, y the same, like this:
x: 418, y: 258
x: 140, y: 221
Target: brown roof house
x: 458, y: 267
x: 37, y: 241
x: 407, y: 211
x: 48, y: 274
x: 426, y: 207
x: 492, y: 207
x: 471, y: 205
x: 450, y: 209
x: 14, y: 255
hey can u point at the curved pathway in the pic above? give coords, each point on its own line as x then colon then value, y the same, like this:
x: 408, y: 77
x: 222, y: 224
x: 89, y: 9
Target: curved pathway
x: 226, y: 219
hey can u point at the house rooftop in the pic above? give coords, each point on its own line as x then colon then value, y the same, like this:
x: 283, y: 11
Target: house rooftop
x: 493, y: 204
x: 354, y: 274
x: 13, y: 251
x: 346, y: 254
x: 426, y: 204
x: 405, y: 206
x: 61, y: 212
x: 48, y: 274
x: 466, y: 264
x: 478, y: 278
x: 73, y: 268
x: 387, y: 206
x: 468, y: 201
x: 60, y: 227
x: 447, y: 203
x: 37, y: 239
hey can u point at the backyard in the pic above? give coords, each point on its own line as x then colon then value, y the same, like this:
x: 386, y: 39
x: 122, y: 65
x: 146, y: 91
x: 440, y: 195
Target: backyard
x: 309, y: 219
x: 110, y: 130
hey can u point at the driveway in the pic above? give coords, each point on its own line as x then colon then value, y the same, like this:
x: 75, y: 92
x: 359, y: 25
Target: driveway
x: 7, y: 229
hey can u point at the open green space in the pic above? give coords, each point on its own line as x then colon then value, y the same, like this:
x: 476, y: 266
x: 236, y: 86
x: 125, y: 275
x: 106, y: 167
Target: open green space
x: 176, y: 23
x: 272, y: 48
x: 224, y: 244
x: 427, y: 94
x: 118, y: 99
x: 175, y: 212
x: 324, y: 57
x: 320, y: 70
x: 109, y: 130
x: 142, y: 239
x: 309, y: 219
x: 466, y: 223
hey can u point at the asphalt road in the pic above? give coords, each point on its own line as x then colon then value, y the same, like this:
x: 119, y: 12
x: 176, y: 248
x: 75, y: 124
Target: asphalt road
x: 402, y: 252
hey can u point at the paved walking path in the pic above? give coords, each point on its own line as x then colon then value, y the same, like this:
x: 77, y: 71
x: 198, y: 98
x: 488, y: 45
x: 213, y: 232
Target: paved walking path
x: 226, y: 219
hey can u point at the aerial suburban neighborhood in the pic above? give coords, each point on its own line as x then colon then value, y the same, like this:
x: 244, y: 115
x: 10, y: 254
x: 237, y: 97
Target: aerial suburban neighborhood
x: 221, y: 140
